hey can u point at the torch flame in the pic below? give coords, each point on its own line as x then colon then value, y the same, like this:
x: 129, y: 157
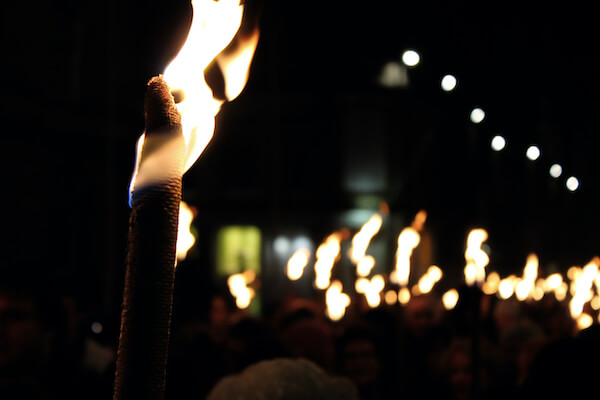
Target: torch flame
x: 238, y: 286
x: 371, y: 289
x: 408, y: 239
x: 214, y: 26
x: 363, y: 237
x: 526, y: 286
x: 336, y: 301
x: 185, y: 238
x: 296, y: 264
x: 327, y: 254
x: 476, y: 258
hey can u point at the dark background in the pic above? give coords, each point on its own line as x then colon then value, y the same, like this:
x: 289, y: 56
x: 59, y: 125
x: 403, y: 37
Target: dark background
x: 311, y: 135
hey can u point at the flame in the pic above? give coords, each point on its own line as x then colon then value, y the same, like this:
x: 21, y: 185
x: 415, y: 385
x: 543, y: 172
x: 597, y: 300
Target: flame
x: 185, y: 238
x: 365, y: 265
x: 403, y: 295
x: 336, y: 301
x: 450, y: 298
x: 296, y: 264
x: 490, y: 286
x: 238, y: 286
x: 581, y: 286
x: 327, y: 254
x: 391, y: 297
x: 526, y: 285
x: 476, y: 258
x: 408, y: 239
x: 213, y: 28
x: 428, y: 280
x: 419, y: 220
x: 507, y: 286
x: 371, y: 289
x: 363, y: 237
x: 584, y: 321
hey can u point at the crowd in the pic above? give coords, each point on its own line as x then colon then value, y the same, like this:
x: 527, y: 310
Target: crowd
x: 485, y: 348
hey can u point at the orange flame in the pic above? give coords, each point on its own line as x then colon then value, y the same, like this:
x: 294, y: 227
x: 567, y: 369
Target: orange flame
x: 363, y: 237
x: 238, y: 286
x: 476, y: 258
x: 371, y: 289
x: 185, y: 238
x: 214, y: 26
x: 336, y: 301
x: 327, y: 254
x: 296, y: 264
x: 408, y: 239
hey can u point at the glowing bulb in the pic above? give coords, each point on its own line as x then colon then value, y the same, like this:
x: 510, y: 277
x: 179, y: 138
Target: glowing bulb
x: 410, y: 58
x: 477, y: 115
x: 572, y: 183
x: 97, y: 327
x: 498, y: 143
x: 448, y: 83
x: 533, y: 152
x: 555, y: 170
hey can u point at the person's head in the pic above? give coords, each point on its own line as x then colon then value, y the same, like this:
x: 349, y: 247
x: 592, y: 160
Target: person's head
x: 420, y: 315
x: 359, y: 355
x: 456, y: 367
x: 283, y: 378
x: 28, y: 326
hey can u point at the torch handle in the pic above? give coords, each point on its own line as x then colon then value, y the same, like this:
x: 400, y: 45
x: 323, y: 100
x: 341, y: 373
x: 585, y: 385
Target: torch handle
x: 147, y: 295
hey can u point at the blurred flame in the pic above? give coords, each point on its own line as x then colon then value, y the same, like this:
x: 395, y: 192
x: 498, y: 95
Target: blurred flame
x: 365, y: 265
x: 336, y: 301
x: 428, y: 280
x: 363, y: 237
x: 403, y: 295
x: 185, y: 238
x: 476, y: 258
x: 391, y: 297
x: 581, y: 286
x: 419, y: 220
x: 584, y: 321
x: 371, y: 289
x: 408, y: 239
x: 526, y: 285
x: 450, y: 298
x: 238, y: 286
x: 327, y: 254
x: 490, y: 286
x: 507, y: 286
x: 296, y: 264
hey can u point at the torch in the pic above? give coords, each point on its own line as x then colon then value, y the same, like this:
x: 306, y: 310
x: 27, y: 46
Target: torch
x: 153, y: 224
x: 175, y: 136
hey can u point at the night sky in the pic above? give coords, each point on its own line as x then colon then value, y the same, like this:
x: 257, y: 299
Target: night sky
x: 312, y: 118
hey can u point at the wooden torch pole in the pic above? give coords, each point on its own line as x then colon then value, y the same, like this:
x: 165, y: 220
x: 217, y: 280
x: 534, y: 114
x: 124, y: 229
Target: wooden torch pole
x: 151, y: 252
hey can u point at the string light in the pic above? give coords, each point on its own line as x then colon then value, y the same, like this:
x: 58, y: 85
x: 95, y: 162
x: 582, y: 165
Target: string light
x: 555, y: 170
x: 533, y: 152
x: 498, y: 143
x: 411, y: 58
x: 448, y: 83
x: 572, y: 183
x: 477, y: 115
